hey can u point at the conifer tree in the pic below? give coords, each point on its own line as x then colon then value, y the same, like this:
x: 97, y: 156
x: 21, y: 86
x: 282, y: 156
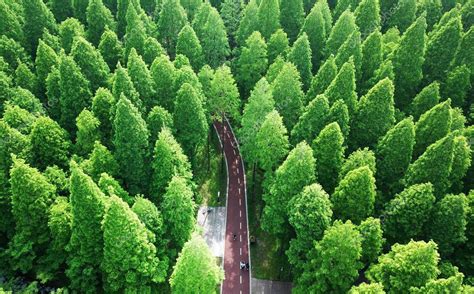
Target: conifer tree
x: 11, y: 25
x: 319, y: 83
x: 30, y: 215
x: 425, y: 100
x: 407, y: 62
x: 315, y: 28
x: 343, y: 28
x: 195, y: 268
x: 351, y: 49
x: 12, y: 53
x: 53, y: 93
x: 438, y: 56
x: 310, y: 214
x: 394, y: 152
x: 342, y: 6
x: 131, y: 145
x: 121, y: 15
x: 188, y: 45
x: 164, y: 74
x: 178, y: 209
x: 36, y: 17
x: 152, y: 49
x: 148, y: 213
x: 432, y: 126
x: 74, y: 91
x: 79, y: 8
x: 328, y: 148
x: 343, y: 87
x: 102, y: 105
x: 46, y: 58
x: 69, y: 29
x: 358, y: 158
x: 49, y: 144
x: 292, y: 17
x: 252, y: 63
x: 231, y: 12
x: 403, y: 15
x: 354, y: 197
x: 201, y: 18
x: 92, y: 65
x: 271, y: 142
x: 300, y: 56
x: 433, y: 10
x: 168, y: 160
x: 135, y: 32
x: 99, y: 18
x: 375, y: 288
x: 340, y: 114
x: 26, y: 79
x: 157, y: 119
x: 433, y: 166
x: 128, y: 250
x: 462, y: 161
x: 191, y: 7
x: 101, y: 160
x: 372, y: 57
x: 375, y: 115
x: 26, y: 100
x: 296, y: 172
x: 123, y: 85
x: 111, y: 187
x: 367, y: 16
x: 275, y: 68
x: 312, y: 121
x: 110, y: 48
x: 288, y: 94
x: 85, y: 247
x: 249, y: 22
x: 372, y: 240
x: 87, y: 132
x: 458, y: 85
x: 223, y: 94
x: 171, y: 20
x: 260, y: 103
x: 406, y: 266
x: 405, y: 215
x: 141, y: 78
x: 190, y: 120
x: 268, y: 17
x: 215, y: 44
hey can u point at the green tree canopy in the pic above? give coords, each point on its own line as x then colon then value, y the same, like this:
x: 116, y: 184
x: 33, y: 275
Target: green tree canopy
x: 300, y: 55
x: 87, y: 132
x: 164, y: 74
x: 319, y: 83
x: 343, y: 87
x: 223, y: 94
x: 110, y: 47
x: 249, y: 22
x: 189, y: 45
x: 141, y: 78
x: 268, y: 17
x: 315, y: 28
x: 426, y: 99
x: 99, y: 18
x: 292, y: 17
x: 36, y: 17
x: 312, y: 121
x: 171, y: 20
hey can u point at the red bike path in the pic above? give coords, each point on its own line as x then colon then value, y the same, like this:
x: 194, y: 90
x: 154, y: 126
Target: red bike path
x: 235, y: 251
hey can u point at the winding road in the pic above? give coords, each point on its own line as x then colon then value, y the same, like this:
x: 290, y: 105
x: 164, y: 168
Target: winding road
x: 235, y: 251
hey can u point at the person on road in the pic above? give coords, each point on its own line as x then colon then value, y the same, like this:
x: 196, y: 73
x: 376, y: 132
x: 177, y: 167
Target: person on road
x: 242, y: 265
x: 235, y: 237
x: 247, y: 266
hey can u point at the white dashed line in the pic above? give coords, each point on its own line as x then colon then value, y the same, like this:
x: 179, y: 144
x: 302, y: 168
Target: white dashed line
x: 240, y: 251
x: 240, y: 202
x: 240, y: 212
x: 240, y: 238
x: 238, y: 171
x: 239, y: 191
x: 241, y: 225
x: 238, y: 179
x: 240, y: 279
x: 234, y: 151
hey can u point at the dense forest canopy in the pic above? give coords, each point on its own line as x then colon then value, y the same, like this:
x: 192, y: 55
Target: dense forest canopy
x: 355, y: 120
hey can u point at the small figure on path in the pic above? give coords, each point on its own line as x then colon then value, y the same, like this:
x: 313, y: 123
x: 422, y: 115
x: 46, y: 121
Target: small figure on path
x: 235, y: 237
x: 242, y: 265
x: 247, y: 266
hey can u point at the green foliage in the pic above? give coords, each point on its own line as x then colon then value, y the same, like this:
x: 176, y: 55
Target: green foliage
x: 11, y: 24
x: 271, y: 142
x: 135, y: 32
x: 110, y: 48
x: 123, y: 85
x: 372, y: 239
x: 168, y: 160
x: 148, y: 213
x: 87, y: 132
x: 372, y: 56
x: 102, y: 105
x: 319, y: 83
x: 195, y: 268
x: 374, y: 115
x: 46, y: 58
x: 406, y: 266
x: 252, y: 63
x: 457, y: 85
x: 141, y: 78
x: 288, y: 94
x: 101, y: 160
x: 343, y: 87
x: 80, y: 9
x: 163, y: 73
x: 342, y: 29
x: 223, y: 94
x: 157, y: 119
x: 269, y: 17
x: 49, y: 144
x: 249, y: 22
x: 403, y: 14
x: 152, y: 49
x: 312, y: 121
x: 85, y: 247
x: 451, y: 284
x: 358, y: 158
x: 25, y: 79
x: 69, y: 29
x: 129, y: 262
x: 36, y: 17
x: 296, y: 172
x: 215, y: 44
x: 372, y: 288
x: 111, y: 187
x: 315, y: 28
x: 433, y: 10
x: 367, y: 15
x: 334, y: 262
x: 26, y: 100
x: 426, y: 99
x: 191, y: 7
x: 231, y: 12
x: 11, y: 51
x: 461, y: 162
x: 99, y: 18
x: 351, y: 49
x: 300, y: 56
x: 188, y: 44
x: 394, y: 152
x: 292, y: 17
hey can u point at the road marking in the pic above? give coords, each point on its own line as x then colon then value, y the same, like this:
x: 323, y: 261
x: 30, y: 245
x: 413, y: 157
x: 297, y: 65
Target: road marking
x: 240, y: 250
x: 240, y: 238
x: 241, y: 225
x: 238, y: 170
x: 234, y: 151
x: 238, y: 179
x: 240, y: 202
x: 239, y: 191
x: 240, y: 212
x: 241, y: 279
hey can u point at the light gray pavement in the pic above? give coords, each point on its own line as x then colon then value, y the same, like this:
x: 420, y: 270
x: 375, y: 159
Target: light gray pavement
x: 213, y: 224
x: 273, y: 287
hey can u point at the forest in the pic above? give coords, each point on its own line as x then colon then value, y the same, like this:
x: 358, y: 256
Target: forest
x: 354, y: 120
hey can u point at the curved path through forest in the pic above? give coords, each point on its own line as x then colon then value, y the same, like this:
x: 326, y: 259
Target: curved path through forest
x: 236, y: 280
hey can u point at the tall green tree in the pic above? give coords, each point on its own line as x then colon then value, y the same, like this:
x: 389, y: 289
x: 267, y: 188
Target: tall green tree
x: 367, y: 16
x: 433, y: 10
x: 319, y: 83
x: 99, y: 18
x: 271, y: 142
x: 406, y: 266
x: 406, y: 214
x: 375, y: 115
x: 157, y: 119
x: 131, y: 145
x: 462, y: 162
x: 292, y: 17
x: 343, y: 87
x: 288, y: 94
x: 141, y: 78
x: 190, y: 119
x: 334, y: 261
x: 46, y: 58
x: 60, y: 9
x: 195, y: 268
x: 135, y: 32
x: 123, y: 85
x: 110, y: 47
x: 296, y: 172
x: 342, y: 29
x: 252, y: 63
x: 36, y: 17
x: 224, y: 96
x: 312, y: 121
x: 351, y: 49
x: 87, y: 132
x: 403, y: 14
x: 79, y: 8
x: 407, y: 61
x: 191, y: 7
x: 315, y: 28
x: 74, y: 91
x: 249, y: 22
x: 300, y: 55
x: 30, y: 215
x: 171, y: 20
x: 426, y: 99
x: 231, y: 12
x: 101, y: 160
x: 268, y: 17
x: 328, y: 148
x: 372, y: 57
x: 164, y: 74
x: 152, y: 49
x: 372, y: 239
x: 354, y: 197
x: 189, y: 45
x: 128, y: 250
x: 458, y: 85
x: 102, y: 105
x: 340, y: 114
x: 168, y: 160
x: 69, y: 29
x: 85, y: 247
x: 214, y: 41
x: 357, y: 159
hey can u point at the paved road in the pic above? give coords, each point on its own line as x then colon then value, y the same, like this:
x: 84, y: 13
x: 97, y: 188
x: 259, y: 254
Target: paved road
x: 236, y: 280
